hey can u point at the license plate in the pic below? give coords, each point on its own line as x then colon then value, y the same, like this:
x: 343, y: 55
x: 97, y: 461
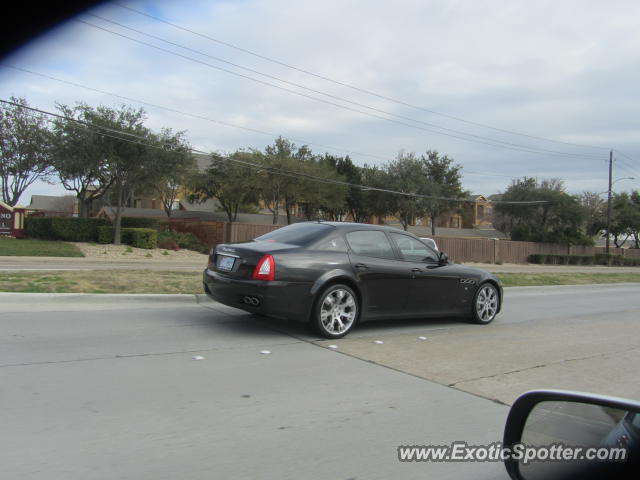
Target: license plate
x: 225, y: 263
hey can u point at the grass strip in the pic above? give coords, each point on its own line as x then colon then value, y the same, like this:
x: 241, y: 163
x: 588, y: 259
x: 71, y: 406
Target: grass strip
x: 102, y: 281
x: 562, y: 278
x: 23, y: 247
x: 171, y: 282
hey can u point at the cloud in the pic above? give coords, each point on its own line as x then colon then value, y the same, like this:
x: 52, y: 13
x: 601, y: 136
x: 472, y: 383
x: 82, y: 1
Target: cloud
x: 566, y: 71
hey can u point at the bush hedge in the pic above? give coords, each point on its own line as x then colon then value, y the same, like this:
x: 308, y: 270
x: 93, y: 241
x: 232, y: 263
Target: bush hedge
x: 597, y: 259
x: 170, y: 240
x: 136, y: 237
x: 140, y: 222
x: 617, y: 260
x: 64, y: 228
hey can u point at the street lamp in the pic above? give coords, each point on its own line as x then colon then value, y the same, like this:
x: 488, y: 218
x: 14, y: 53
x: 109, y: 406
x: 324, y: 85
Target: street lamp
x: 609, y: 200
x: 613, y: 183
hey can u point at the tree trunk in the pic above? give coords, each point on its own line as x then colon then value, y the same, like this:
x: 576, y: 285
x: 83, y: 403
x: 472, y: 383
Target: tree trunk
x: 433, y: 225
x: 83, y: 207
x: 287, y: 209
x: 118, y: 219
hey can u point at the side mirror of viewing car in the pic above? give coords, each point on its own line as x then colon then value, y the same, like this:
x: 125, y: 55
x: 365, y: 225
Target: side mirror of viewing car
x: 569, y: 435
x: 443, y: 258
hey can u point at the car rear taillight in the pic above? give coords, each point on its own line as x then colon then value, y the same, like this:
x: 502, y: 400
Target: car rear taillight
x: 266, y: 268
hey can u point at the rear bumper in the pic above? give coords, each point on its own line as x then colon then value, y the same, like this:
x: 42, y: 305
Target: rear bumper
x: 273, y: 298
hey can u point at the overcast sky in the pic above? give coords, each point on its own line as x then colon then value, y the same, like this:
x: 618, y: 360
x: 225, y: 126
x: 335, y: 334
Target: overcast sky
x: 564, y: 71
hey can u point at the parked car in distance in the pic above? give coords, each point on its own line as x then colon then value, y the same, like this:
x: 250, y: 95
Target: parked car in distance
x: 335, y: 274
x: 431, y: 242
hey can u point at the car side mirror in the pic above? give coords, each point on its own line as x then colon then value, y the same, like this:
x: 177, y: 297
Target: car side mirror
x: 443, y: 258
x: 570, y: 435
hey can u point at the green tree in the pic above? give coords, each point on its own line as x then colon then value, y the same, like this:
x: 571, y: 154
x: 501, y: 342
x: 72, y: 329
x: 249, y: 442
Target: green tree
x: 407, y: 174
x: 625, y: 222
x: 444, y: 179
x: 595, y: 210
x: 229, y: 180
x: 127, y: 145
x: 322, y: 199
x: 172, y: 167
x: 275, y: 189
x: 374, y: 202
x: 25, y: 149
x: 78, y: 157
x: 434, y: 176
x: 354, y: 203
x: 560, y: 219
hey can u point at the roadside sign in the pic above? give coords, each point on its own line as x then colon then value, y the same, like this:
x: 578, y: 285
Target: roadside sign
x: 11, y: 220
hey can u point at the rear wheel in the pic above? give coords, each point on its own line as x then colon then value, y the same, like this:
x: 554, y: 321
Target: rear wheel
x: 486, y: 304
x: 336, y: 311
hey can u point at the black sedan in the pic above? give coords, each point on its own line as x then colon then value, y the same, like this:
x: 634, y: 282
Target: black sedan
x: 335, y: 275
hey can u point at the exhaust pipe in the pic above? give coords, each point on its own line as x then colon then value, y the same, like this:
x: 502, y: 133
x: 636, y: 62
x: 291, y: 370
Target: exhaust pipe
x: 253, y: 301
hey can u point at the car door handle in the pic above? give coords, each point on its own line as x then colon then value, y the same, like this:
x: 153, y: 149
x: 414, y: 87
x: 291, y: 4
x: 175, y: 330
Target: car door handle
x: 361, y: 266
x: 416, y: 270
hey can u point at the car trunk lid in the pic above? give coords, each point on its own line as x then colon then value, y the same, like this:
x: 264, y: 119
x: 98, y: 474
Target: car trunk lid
x: 239, y: 260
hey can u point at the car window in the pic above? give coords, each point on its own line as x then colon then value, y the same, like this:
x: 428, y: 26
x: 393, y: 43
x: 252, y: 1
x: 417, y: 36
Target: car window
x: 333, y: 244
x: 413, y: 249
x: 370, y: 243
x: 297, y: 233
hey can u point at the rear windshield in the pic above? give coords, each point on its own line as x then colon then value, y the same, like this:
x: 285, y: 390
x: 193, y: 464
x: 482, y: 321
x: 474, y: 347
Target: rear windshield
x: 297, y: 233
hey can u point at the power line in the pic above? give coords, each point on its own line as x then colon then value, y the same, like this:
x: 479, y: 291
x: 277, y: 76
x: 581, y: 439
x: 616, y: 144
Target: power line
x: 627, y: 168
x: 626, y: 156
x: 353, y: 87
x: 320, y: 92
x: 101, y: 129
x: 219, y: 122
x: 344, y: 107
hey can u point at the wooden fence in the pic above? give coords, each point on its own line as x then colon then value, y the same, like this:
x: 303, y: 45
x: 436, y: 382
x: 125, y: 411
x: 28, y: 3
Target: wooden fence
x: 213, y: 233
x: 459, y: 249
x: 489, y: 250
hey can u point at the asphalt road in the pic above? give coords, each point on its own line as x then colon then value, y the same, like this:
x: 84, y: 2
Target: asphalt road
x: 108, y: 387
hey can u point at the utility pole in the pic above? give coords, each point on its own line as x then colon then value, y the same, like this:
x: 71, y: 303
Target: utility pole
x: 609, y: 200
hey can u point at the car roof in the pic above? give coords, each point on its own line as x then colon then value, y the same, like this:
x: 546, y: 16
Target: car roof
x: 364, y: 226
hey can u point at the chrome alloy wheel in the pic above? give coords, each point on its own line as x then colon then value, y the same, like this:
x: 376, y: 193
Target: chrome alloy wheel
x: 486, y: 303
x: 338, y: 311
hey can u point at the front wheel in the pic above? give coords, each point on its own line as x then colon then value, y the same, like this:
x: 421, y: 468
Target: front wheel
x: 486, y: 304
x: 335, y: 312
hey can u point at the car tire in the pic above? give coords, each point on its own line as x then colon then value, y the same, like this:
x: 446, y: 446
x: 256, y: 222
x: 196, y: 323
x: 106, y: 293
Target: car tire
x: 486, y: 303
x: 335, y: 311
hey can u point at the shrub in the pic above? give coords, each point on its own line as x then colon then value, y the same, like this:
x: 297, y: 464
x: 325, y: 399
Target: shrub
x: 574, y: 259
x: 105, y: 234
x: 38, y: 227
x: 631, y: 261
x: 167, y: 244
x: 557, y: 259
x: 140, y: 222
x: 136, y: 237
x: 537, y: 258
x: 64, y: 228
x: 183, y: 240
x: 142, y: 237
x: 588, y: 260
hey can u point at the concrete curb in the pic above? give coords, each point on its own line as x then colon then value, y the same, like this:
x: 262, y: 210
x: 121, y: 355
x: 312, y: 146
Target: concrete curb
x: 6, y: 297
